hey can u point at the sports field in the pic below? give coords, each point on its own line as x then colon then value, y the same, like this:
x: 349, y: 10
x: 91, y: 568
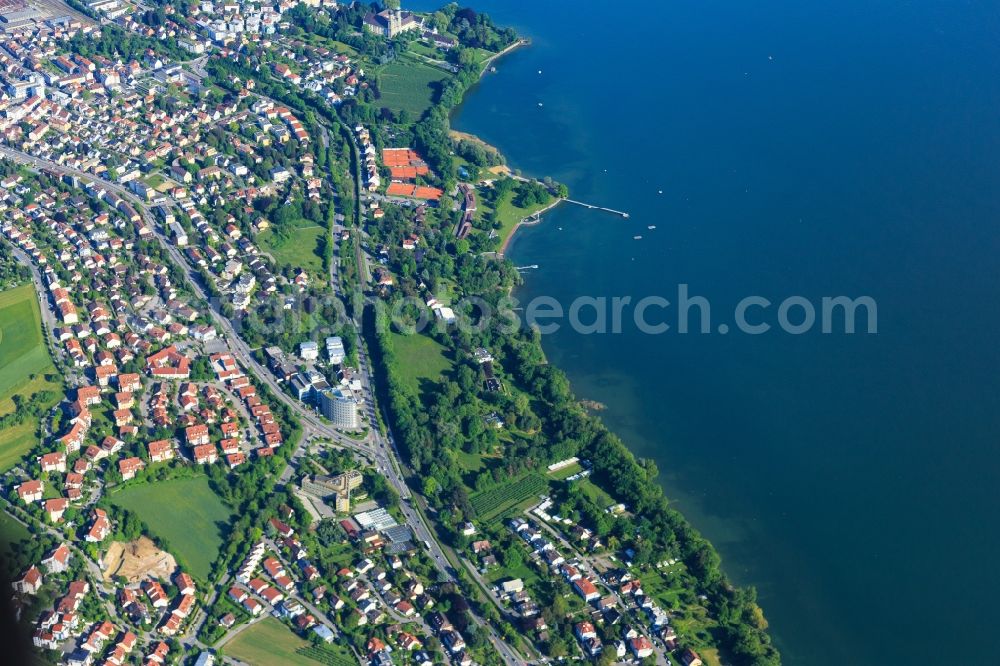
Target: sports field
x: 186, y: 513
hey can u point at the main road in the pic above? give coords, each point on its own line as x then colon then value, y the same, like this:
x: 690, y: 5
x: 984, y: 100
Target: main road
x: 381, y: 449
x: 241, y: 351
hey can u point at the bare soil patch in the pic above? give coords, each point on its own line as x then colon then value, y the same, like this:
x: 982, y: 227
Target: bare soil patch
x: 137, y: 560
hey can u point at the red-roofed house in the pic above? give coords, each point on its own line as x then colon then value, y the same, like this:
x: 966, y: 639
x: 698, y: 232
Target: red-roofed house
x: 690, y: 658
x: 31, y: 491
x: 129, y: 382
x: 641, y: 647
x: 89, y: 395
x: 281, y: 528
x: 184, y: 583
x: 157, y: 596
x: 253, y: 606
x: 272, y: 595
x: 159, y: 654
x: 586, y: 589
x: 122, y: 417
x: 160, y: 450
x: 104, y: 373
x: 129, y: 467
x: 168, y: 363
x: 55, y: 508
x: 171, y: 625
x: 74, y: 438
x: 53, y: 462
x: 30, y: 582
x: 273, y: 567
x: 206, y: 454
x: 100, y: 528
x: 58, y: 560
x: 196, y: 435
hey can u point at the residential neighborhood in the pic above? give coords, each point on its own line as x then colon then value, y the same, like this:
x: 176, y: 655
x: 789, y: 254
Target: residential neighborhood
x: 252, y: 415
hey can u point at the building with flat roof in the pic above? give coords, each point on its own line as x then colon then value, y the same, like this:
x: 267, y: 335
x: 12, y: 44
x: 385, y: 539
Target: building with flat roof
x: 338, y: 487
x: 376, y: 519
x: 335, y: 350
x: 309, y: 350
x: 341, y: 407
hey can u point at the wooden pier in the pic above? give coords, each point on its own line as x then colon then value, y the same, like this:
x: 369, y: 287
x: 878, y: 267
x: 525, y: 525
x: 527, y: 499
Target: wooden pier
x: 593, y: 207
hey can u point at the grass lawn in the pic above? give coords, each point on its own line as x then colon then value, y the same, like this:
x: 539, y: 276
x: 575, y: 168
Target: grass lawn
x: 17, y: 441
x: 710, y: 656
x: 11, y: 531
x: 664, y: 587
x: 418, y: 358
x: 22, y: 349
x: 425, y: 50
x: 269, y: 643
x: 567, y: 471
x: 346, y: 49
x: 303, y: 248
x: 509, y: 215
x: 342, y: 554
x: 482, y: 55
x: 470, y: 462
x: 24, y: 363
x: 30, y: 387
x: 339, y: 47
x: 409, y: 85
x: 524, y: 571
x: 595, y: 492
x: 186, y: 513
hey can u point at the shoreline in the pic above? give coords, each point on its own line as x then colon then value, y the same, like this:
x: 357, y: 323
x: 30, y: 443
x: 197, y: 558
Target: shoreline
x: 752, y: 622
x: 504, y: 168
x: 522, y: 41
x: 526, y: 222
x: 459, y: 134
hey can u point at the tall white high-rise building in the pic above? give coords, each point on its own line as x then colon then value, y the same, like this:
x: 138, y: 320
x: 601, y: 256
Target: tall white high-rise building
x: 341, y: 407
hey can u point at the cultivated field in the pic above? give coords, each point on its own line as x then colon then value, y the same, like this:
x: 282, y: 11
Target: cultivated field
x: 409, y: 85
x: 494, y: 502
x: 186, y: 513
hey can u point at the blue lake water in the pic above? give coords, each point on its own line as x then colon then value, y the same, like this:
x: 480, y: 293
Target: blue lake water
x: 802, y: 148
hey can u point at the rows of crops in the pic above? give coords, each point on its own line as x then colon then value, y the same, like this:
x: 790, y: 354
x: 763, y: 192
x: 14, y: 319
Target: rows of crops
x: 495, y: 501
x: 325, y: 656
